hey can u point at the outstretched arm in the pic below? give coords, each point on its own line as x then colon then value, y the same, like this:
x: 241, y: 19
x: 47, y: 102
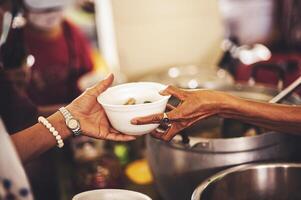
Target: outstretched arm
x: 37, y: 139
x: 283, y: 118
x: 201, y: 104
x: 33, y: 141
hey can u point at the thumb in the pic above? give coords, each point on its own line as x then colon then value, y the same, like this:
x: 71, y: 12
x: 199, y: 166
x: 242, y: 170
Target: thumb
x: 174, y: 91
x: 102, y: 85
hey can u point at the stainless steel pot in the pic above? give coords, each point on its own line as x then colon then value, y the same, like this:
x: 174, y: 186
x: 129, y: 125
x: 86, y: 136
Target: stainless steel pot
x: 179, y: 166
x: 281, y: 181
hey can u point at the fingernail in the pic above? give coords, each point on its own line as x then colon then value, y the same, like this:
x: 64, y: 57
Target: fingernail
x: 133, y: 138
x: 162, y: 92
x: 107, y: 76
x: 134, y: 121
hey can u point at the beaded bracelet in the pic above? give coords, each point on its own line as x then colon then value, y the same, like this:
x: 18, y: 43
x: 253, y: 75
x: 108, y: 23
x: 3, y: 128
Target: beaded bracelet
x: 45, y: 122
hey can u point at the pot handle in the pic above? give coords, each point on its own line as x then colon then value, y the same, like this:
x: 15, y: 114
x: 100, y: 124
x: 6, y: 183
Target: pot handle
x: 192, y: 142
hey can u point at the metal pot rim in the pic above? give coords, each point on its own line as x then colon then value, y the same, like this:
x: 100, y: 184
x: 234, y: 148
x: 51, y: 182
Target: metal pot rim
x: 228, y: 145
x: 202, y: 187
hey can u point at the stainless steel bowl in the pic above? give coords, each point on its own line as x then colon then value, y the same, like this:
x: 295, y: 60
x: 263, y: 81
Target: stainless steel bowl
x: 280, y: 181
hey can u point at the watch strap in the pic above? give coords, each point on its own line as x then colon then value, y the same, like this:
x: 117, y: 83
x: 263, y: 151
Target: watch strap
x: 68, y: 116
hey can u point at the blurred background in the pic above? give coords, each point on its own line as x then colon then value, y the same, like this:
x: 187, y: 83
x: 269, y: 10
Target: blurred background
x: 58, y: 52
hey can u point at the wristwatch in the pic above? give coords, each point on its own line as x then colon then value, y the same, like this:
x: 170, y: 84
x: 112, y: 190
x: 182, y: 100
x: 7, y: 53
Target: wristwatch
x: 72, y: 123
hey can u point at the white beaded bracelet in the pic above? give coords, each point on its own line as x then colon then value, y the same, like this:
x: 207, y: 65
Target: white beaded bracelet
x: 56, y: 135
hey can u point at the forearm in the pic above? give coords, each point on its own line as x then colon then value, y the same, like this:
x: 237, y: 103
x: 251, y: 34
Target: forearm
x: 284, y: 118
x: 49, y: 109
x: 85, y: 109
x: 37, y: 139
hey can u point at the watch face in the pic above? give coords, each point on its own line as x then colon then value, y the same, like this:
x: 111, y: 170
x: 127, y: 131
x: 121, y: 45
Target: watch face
x: 73, y: 124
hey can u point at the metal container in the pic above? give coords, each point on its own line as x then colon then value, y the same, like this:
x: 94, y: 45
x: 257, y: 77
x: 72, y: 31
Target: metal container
x: 280, y: 181
x: 180, y: 165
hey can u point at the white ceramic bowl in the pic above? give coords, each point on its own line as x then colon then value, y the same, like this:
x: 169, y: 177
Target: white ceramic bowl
x: 111, y: 194
x: 120, y: 115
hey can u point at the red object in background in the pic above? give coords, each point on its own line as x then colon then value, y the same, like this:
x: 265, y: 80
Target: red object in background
x: 290, y: 64
x: 59, y: 62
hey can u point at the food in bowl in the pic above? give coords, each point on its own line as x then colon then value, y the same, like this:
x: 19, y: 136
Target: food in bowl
x: 124, y: 102
x: 132, y: 101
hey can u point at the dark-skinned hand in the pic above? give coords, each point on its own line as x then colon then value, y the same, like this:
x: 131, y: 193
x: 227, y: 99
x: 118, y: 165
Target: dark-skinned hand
x: 194, y: 106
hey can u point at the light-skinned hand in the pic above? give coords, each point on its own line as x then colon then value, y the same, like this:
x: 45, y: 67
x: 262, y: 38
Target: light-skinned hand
x: 92, y: 117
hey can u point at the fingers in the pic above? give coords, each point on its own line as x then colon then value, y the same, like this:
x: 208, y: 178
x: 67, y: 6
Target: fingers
x: 175, y: 114
x: 174, y: 91
x: 167, y: 135
x: 119, y: 137
x: 176, y: 128
x: 103, y: 85
x: 107, y: 133
x: 103, y: 131
x: 150, y: 119
x: 157, y: 135
x: 170, y: 107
